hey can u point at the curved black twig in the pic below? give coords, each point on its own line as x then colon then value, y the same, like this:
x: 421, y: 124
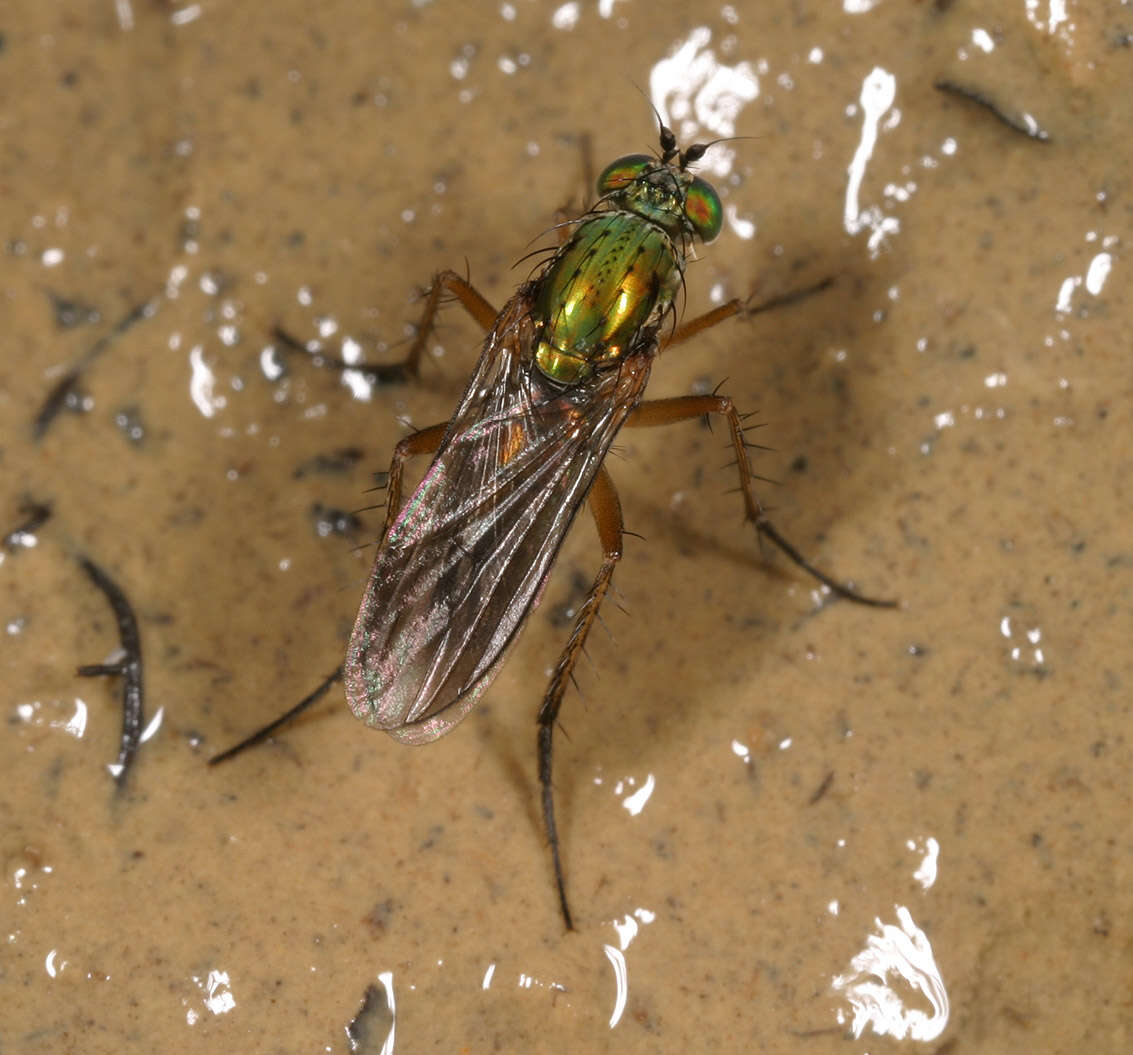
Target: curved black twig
x: 64, y: 393
x: 129, y: 667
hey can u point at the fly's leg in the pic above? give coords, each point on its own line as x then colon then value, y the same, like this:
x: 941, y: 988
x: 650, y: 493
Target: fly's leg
x: 409, y: 367
x: 738, y: 307
x: 424, y: 441
x: 261, y: 734
x: 428, y: 440
x: 447, y: 281
x: 701, y: 323
x: 607, y: 511
x: 684, y: 408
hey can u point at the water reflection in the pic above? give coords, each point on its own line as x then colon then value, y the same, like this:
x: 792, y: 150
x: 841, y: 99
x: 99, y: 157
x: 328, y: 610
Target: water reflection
x: 1024, y: 636
x: 895, y: 959
x: 216, y: 996
x: 202, y: 384
x: 926, y: 871
x: 878, y: 93
x: 1092, y: 280
x: 627, y: 929
x: 74, y: 725
x: 635, y: 801
x: 53, y: 964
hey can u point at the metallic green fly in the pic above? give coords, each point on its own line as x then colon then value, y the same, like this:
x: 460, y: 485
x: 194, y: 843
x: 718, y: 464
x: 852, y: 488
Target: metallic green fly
x: 564, y: 366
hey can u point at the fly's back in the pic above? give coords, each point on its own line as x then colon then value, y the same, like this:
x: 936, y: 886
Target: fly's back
x: 619, y: 273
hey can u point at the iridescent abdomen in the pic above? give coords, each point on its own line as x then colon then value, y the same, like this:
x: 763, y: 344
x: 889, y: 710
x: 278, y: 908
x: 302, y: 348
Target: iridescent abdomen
x: 617, y: 274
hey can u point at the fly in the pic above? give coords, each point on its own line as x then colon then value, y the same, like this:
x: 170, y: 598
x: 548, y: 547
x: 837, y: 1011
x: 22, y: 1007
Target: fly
x: 563, y: 368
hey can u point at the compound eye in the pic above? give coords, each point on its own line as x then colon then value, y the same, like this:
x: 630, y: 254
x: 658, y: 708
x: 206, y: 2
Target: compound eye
x: 703, y: 209
x: 621, y: 173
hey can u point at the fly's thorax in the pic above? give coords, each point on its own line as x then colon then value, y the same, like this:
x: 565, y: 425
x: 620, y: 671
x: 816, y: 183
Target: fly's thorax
x: 616, y: 276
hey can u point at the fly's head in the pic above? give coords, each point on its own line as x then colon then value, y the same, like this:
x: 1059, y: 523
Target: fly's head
x: 663, y: 191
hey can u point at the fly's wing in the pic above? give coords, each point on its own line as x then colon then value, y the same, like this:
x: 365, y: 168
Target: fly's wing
x: 464, y: 562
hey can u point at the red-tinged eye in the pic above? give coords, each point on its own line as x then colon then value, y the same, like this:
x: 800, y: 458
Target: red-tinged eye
x: 703, y: 209
x: 623, y: 172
